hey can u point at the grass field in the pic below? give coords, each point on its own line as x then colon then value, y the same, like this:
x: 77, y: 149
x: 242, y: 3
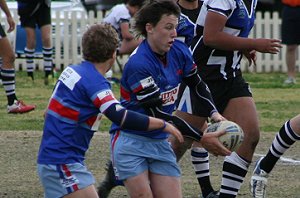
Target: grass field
x: 20, y: 137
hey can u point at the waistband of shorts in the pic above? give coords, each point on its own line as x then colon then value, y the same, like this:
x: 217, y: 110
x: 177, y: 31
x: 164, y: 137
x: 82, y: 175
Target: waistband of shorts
x: 140, y: 137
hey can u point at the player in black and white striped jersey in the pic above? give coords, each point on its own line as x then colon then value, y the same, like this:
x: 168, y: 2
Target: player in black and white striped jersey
x: 217, y: 51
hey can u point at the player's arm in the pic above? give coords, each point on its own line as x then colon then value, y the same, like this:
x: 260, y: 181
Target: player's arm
x: 125, y: 30
x: 150, y: 100
x: 199, y: 87
x: 9, y: 18
x: 131, y: 120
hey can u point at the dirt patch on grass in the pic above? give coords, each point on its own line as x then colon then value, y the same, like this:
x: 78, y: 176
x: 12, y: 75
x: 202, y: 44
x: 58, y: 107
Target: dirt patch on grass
x: 19, y: 179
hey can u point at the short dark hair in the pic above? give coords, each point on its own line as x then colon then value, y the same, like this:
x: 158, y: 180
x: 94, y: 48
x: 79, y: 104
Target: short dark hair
x: 151, y: 12
x: 99, y: 43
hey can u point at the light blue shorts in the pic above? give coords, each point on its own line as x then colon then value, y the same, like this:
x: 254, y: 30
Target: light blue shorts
x: 63, y: 179
x: 134, y: 154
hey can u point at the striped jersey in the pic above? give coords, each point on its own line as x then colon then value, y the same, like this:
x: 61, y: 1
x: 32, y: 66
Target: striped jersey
x: 215, y: 64
x: 73, y: 114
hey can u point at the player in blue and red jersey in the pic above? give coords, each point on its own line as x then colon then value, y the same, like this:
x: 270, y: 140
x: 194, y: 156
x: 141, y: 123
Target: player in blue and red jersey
x: 80, y: 98
x: 149, y: 85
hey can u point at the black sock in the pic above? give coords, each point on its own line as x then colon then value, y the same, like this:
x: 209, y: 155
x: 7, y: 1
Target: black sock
x: 30, y: 74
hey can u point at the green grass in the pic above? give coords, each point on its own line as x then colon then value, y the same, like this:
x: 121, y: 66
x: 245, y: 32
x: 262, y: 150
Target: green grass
x: 275, y: 102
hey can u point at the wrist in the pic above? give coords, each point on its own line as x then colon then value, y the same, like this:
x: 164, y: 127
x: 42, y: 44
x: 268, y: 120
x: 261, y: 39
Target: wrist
x: 164, y: 126
x: 213, y: 112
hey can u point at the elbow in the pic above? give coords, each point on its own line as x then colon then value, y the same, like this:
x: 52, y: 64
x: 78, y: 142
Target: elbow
x: 209, y: 40
x: 127, y: 36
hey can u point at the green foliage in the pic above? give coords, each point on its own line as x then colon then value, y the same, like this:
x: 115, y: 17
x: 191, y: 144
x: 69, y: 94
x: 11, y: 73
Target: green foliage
x: 275, y: 102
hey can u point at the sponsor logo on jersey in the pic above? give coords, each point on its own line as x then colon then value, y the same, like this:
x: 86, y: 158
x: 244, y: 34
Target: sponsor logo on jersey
x: 147, y: 82
x: 69, y: 77
x: 170, y: 96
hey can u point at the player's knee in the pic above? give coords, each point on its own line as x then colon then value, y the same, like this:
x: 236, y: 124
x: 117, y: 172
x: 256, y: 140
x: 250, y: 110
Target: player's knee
x: 252, y: 137
x: 8, y: 61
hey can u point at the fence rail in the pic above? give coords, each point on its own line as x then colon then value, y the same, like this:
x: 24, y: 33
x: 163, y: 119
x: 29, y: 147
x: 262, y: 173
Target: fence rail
x: 68, y: 26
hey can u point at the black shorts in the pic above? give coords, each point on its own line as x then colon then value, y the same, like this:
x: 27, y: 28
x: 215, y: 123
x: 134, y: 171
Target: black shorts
x: 35, y: 15
x: 222, y: 91
x: 290, y: 30
x: 2, y: 32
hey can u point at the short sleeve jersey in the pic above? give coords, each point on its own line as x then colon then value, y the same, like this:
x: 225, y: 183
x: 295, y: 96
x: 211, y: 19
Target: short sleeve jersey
x: 214, y: 64
x: 73, y: 114
x: 144, y: 68
x: 118, y: 14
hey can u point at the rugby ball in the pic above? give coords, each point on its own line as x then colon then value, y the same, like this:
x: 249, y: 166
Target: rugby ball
x: 233, y: 137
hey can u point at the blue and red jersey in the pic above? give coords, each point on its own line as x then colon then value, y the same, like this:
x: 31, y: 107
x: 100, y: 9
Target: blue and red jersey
x: 144, y: 68
x: 73, y: 114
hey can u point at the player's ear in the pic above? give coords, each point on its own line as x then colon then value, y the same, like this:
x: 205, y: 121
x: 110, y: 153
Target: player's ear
x: 149, y: 28
x: 114, y: 56
x: 112, y: 60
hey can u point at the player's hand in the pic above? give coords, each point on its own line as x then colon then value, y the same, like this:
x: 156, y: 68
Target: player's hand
x: 251, y: 57
x: 210, y: 141
x: 271, y: 46
x: 174, y: 131
x: 217, y: 117
x: 11, y: 24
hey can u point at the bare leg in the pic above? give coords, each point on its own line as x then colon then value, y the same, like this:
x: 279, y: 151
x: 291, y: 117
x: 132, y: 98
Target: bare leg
x: 290, y: 58
x: 138, y: 186
x: 89, y: 191
x: 165, y: 186
x: 241, y: 110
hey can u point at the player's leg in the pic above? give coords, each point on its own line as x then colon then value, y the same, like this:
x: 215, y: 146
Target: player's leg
x: 241, y: 110
x: 138, y: 186
x: 290, y: 57
x: 67, y: 180
x: 8, y: 75
x: 30, y: 50
x: 109, y: 181
x: 290, y: 37
x: 199, y: 156
x: 89, y: 191
x: 47, y: 52
x: 44, y: 23
x: 284, y: 139
x: 164, y: 172
x: 165, y: 186
x: 131, y: 163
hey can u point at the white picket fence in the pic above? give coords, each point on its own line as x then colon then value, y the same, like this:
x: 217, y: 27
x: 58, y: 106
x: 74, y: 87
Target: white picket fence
x: 69, y: 26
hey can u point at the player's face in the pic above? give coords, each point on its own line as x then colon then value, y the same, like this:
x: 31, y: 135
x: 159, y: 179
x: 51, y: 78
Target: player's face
x: 162, y: 36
